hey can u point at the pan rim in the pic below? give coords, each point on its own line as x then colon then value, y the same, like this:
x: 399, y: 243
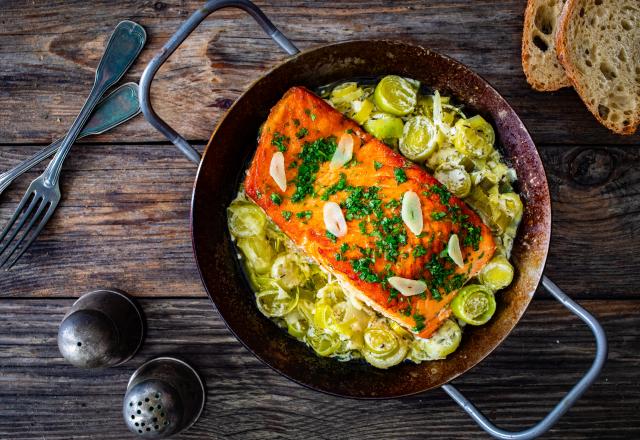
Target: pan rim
x: 536, y: 274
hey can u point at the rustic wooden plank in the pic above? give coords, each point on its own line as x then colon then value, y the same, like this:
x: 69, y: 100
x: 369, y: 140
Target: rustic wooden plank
x: 43, y: 397
x: 47, y: 55
x: 124, y: 221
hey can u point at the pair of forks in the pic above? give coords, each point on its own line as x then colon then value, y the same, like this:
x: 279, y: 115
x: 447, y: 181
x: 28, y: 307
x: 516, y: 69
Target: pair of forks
x: 43, y: 195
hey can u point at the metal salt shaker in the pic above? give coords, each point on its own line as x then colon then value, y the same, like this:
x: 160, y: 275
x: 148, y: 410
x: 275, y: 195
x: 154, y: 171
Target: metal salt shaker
x: 104, y: 328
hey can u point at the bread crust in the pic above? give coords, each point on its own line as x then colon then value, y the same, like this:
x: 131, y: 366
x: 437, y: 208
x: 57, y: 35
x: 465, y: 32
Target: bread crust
x: 527, y: 43
x: 567, y: 17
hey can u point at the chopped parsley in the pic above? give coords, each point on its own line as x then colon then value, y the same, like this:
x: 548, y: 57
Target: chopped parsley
x: 438, y: 215
x: 362, y: 267
x: 331, y: 237
x: 400, y: 175
x: 377, y: 165
x: 472, y: 236
x: 302, y: 133
x: 312, y: 155
x: 456, y: 214
x: 443, y: 193
x: 442, y: 275
x: 344, y: 247
x: 340, y: 185
x: 393, y: 203
x: 419, y: 320
x: 296, y: 122
x: 280, y: 141
x: 392, y: 235
x: 287, y: 215
x: 311, y: 115
x: 349, y: 131
x: 419, y: 251
x: 363, y: 201
x: 275, y: 198
x: 304, y: 214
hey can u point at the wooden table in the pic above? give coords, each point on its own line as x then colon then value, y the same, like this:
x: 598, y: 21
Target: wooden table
x: 124, y: 222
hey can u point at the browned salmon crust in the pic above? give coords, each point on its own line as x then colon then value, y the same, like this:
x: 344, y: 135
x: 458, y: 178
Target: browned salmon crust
x: 369, y: 189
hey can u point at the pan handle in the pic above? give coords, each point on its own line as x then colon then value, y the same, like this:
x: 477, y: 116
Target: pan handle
x: 174, y: 42
x: 568, y: 400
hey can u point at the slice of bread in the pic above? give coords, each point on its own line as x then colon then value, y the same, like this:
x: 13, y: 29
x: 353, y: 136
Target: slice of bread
x: 539, y: 60
x: 598, y: 43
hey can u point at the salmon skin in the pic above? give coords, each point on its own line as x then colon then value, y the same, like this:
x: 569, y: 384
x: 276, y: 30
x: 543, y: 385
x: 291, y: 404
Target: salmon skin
x: 369, y: 189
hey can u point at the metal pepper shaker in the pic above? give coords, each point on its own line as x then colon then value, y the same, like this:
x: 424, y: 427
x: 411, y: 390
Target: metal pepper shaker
x: 164, y: 397
x: 103, y: 328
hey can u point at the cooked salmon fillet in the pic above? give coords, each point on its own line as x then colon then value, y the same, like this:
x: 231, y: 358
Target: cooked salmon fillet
x: 369, y: 189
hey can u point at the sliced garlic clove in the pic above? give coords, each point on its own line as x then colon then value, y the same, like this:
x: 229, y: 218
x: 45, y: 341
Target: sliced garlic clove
x: 334, y: 219
x: 344, y: 151
x: 453, y: 249
x: 276, y: 170
x: 406, y: 286
x: 412, y: 212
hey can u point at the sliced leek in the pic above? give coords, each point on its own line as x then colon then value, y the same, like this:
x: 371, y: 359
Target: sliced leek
x: 474, y: 304
x: 497, y: 274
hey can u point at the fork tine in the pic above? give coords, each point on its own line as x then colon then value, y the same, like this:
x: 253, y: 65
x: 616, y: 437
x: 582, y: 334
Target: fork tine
x: 25, y: 215
x: 35, y: 217
x: 17, y: 212
x: 50, y: 210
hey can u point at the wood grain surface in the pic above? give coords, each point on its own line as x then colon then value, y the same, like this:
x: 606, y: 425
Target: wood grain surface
x: 42, y: 397
x: 124, y: 222
x: 46, y: 49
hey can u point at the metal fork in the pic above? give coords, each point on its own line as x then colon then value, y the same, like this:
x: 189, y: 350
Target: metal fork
x: 43, y: 195
x: 114, y: 109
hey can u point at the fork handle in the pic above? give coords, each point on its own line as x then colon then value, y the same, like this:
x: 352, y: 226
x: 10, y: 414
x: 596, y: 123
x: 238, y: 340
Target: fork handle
x: 114, y: 109
x: 123, y: 48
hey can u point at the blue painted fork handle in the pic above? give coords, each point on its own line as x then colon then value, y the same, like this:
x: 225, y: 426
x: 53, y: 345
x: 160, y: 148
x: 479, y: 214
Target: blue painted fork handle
x: 568, y: 400
x: 174, y: 42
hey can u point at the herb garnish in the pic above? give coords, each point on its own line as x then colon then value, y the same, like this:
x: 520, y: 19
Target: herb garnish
x: 275, y: 198
x: 392, y: 235
x: 304, y: 214
x: 438, y: 215
x: 419, y: 320
x: 472, y: 236
x: 419, y: 251
x: 362, y: 201
x: 443, y: 193
x: 331, y: 237
x: 279, y: 141
x: 340, y: 185
x: 312, y: 155
x: 302, y: 133
x: 287, y: 215
x: 400, y: 175
x: 377, y: 165
x: 362, y: 267
x: 311, y: 115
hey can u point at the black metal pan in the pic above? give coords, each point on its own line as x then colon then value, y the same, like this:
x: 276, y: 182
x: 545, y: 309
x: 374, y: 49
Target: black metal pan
x: 233, y: 143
